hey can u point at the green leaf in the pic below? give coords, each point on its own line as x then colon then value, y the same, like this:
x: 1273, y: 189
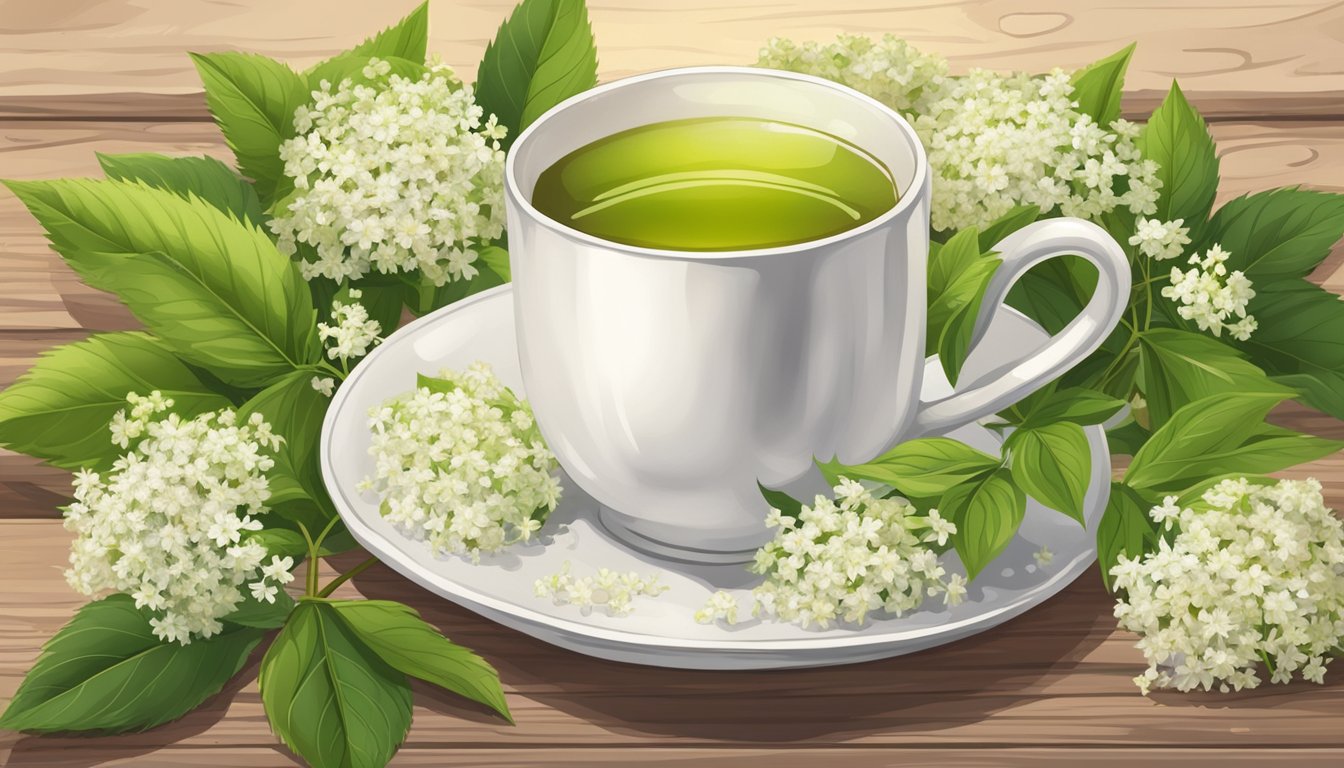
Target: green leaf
x: 280, y: 541
x: 1281, y: 233
x: 407, y: 39
x: 1300, y: 341
x: 329, y: 697
x: 1180, y: 367
x: 1220, y: 434
x: 1126, y: 439
x: 60, y: 409
x: 204, y: 177
x: 988, y: 513
x: 384, y: 302
x: 957, y: 277
x: 295, y: 412
x: 1177, y: 139
x: 215, y: 290
x: 1077, y: 405
x: 1098, y: 86
x: 423, y: 297
x: 254, y: 613
x: 106, y: 671
x: 541, y: 56
x: 1053, y: 292
x: 1053, y: 464
x: 922, y: 468
x: 786, y: 504
x: 497, y: 259
x: 1125, y: 529
x: 253, y: 100
x: 1015, y: 219
x: 402, y: 639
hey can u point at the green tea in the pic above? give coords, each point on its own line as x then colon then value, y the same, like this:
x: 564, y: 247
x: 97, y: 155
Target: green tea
x: 716, y: 184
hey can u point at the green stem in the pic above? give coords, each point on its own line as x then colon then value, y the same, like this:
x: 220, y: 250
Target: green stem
x: 348, y: 575
x: 310, y: 583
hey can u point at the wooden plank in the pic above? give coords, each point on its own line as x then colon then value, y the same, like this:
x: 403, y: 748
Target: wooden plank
x: 1057, y: 676
x: 1236, y: 58
x: 40, y: 753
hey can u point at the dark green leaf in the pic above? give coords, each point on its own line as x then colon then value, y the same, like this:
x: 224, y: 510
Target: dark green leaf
x: 957, y: 277
x: 422, y: 297
x: 215, y: 290
x: 1179, y: 142
x: 295, y: 412
x: 1125, y: 529
x: 1126, y: 439
x: 497, y: 260
x: 1277, y: 234
x: 922, y: 468
x: 1053, y: 464
x: 1301, y: 335
x: 59, y: 410
x: 204, y: 177
x: 255, y: 613
x: 541, y: 56
x: 384, y: 301
x: 1098, y: 86
x: 988, y: 512
x: 402, y: 639
x: 1220, y: 434
x: 106, y: 671
x: 253, y: 100
x: 786, y: 504
x: 329, y: 697
x: 1180, y: 367
x: 1053, y: 292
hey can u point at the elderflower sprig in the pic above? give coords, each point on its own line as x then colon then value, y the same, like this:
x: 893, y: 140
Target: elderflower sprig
x: 394, y: 175
x: 351, y: 334
x: 1209, y: 295
x: 1160, y: 240
x: 461, y: 465
x: 994, y: 141
x: 1252, y: 575
x: 843, y: 558
x: 608, y: 590
x: 166, y: 524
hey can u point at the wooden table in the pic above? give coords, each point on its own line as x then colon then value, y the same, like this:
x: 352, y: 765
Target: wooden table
x: 1053, y: 687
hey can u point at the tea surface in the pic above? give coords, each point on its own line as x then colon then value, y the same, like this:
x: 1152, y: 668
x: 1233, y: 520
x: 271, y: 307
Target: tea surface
x: 715, y: 184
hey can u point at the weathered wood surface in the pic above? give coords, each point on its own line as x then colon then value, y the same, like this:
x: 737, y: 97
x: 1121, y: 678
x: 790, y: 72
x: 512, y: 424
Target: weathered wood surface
x: 1239, y: 57
x: 1051, y: 688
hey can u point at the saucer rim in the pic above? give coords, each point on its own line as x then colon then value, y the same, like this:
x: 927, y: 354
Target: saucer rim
x: 507, y: 612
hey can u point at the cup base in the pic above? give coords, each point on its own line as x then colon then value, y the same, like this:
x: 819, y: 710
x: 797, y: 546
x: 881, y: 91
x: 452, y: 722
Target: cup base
x: 613, y: 523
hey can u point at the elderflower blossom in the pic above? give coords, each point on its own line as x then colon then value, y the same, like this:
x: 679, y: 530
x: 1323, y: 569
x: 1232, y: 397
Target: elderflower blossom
x: 613, y: 592
x: 460, y: 464
x: 393, y: 174
x: 1160, y: 240
x: 994, y: 141
x: 1253, y: 574
x: 1211, y: 296
x: 324, y: 384
x: 353, y: 332
x: 844, y: 558
x: 166, y: 523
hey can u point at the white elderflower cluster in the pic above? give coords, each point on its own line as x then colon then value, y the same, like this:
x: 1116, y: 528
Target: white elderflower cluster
x: 1160, y: 240
x: 1211, y: 296
x: 994, y: 140
x: 611, y: 591
x: 1254, y: 574
x: 166, y: 523
x: 844, y: 558
x: 460, y: 464
x: 395, y: 175
x: 352, y: 333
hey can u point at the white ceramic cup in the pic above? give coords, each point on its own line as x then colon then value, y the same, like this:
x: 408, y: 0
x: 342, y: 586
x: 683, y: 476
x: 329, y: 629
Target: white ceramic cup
x: 669, y: 383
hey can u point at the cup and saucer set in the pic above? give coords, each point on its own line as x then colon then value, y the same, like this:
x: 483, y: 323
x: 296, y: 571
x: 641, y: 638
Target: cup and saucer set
x: 669, y: 383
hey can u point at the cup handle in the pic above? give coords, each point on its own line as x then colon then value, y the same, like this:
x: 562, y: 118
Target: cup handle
x: 1021, y: 251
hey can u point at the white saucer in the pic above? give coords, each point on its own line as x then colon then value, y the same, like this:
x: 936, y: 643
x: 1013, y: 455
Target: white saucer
x: 661, y: 630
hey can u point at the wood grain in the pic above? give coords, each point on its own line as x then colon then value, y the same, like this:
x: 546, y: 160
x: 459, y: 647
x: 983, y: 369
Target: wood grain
x: 1236, y: 58
x: 1063, y: 663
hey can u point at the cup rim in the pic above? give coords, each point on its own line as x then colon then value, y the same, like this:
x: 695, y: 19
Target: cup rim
x: 905, y: 202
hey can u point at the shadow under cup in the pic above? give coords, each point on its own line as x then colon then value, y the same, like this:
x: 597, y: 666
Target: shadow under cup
x: 670, y: 383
